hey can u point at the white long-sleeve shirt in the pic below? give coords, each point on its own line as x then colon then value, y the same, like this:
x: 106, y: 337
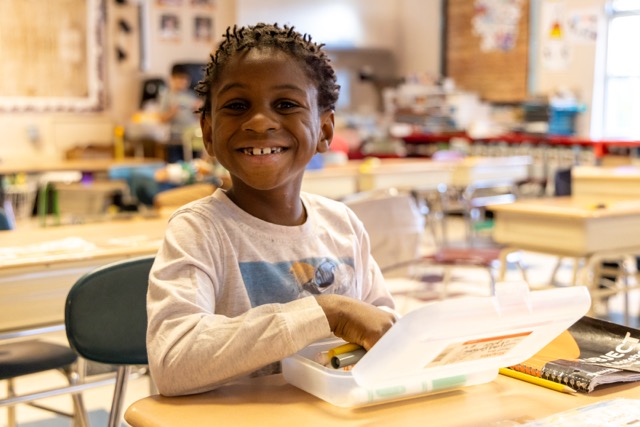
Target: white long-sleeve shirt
x: 230, y: 294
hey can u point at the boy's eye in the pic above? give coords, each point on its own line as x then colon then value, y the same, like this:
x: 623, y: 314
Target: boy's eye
x: 235, y: 106
x: 286, y: 104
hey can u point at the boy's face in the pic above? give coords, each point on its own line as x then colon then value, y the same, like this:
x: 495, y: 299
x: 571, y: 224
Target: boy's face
x: 264, y: 125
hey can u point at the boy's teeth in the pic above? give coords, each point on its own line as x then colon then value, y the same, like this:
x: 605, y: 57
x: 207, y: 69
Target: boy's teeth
x: 262, y: 151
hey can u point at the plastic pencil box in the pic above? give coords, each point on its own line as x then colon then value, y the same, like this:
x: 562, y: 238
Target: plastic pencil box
x: 443, y: 346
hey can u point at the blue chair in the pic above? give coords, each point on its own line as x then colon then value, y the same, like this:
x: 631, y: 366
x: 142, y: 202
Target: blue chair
x: 106, y: 320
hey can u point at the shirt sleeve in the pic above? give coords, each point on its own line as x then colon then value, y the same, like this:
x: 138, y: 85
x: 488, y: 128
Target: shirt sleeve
x: 191, y: 346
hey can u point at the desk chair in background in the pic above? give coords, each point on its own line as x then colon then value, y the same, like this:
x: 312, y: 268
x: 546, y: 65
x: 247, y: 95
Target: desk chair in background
x: 106, y: 320
x: 395, y: 225
x: 28, y: 357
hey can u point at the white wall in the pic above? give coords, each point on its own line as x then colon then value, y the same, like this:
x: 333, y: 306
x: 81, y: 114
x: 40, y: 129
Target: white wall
x: 420, y: 26
x: 337, y: 23
x: 409, y: 28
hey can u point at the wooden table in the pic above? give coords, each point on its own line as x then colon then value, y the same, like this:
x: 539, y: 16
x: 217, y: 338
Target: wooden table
x: 576, y: 227
x: 270, y: 401
x: 333, y: 181
x: 606, y: 183
x: 8, y: 167
x: 338, y: 181
x: 38, y: 266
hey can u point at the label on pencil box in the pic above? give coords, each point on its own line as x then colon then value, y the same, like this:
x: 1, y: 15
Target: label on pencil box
x: 478, y: 349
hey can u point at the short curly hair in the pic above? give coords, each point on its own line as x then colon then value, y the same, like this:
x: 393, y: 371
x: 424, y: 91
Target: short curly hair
x: 238, y: 39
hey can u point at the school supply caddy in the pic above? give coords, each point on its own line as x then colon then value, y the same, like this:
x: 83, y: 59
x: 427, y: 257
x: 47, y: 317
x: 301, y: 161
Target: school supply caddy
x: 590, y: 353
x: 442, y: 346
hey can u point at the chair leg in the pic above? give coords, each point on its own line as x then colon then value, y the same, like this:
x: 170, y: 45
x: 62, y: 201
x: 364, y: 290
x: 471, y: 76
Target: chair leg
x: 492, y: 280
x: 626, y: 270
x: 152, y: 384
x: 552, y: 282
x: 574, y: 271
x: 11, y: 410
x: 79, y: 411
x: 446, y: 278
x: 122, y: 377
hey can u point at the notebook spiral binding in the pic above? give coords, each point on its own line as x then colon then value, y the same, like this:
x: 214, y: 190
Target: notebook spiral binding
x: 572, y: 379
x: 569, y: 378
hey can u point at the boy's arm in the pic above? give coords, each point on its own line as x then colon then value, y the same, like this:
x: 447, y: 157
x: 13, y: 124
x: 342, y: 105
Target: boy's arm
x: 191, y: 351
x: 190, y: 348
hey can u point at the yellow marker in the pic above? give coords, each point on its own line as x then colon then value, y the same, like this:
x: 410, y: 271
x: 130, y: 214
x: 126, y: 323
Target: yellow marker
x: 344, y: 348
x: 536, y: 380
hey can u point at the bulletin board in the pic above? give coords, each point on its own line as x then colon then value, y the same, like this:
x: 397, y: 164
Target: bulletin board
x: 51, y: 55
x: 487, y: 47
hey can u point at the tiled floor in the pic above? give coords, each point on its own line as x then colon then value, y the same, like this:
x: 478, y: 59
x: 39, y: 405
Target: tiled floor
x: 464, y: 282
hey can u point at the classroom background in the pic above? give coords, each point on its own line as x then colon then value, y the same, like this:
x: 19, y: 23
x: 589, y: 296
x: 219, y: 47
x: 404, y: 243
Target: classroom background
x: 501, y: 136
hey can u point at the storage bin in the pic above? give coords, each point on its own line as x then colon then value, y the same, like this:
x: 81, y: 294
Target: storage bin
x: 22, y: 198
x: 443, y: 345
x: 562, y: 120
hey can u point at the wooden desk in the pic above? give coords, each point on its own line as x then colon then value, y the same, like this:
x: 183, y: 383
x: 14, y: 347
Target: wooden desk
x: 85, y: 165
x: 412, y: 173
x: 568, y: 226
x: 421, y: 174
x: 270, y: 401
x: 572, y: 227
x: 333, y: 181
x: 606, y: 183
x: 38, y: 266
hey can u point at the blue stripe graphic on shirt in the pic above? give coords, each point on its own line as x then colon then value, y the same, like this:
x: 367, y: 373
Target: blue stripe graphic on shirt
x: 282, y: 282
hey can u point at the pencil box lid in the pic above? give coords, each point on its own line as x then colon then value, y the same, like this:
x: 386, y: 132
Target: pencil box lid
x: 453, y: 342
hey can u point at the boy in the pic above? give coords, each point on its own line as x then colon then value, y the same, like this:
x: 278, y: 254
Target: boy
x: 251, y: 275
x: 177, y: 107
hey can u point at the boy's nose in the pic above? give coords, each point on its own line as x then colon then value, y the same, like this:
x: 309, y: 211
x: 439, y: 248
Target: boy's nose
x: 260, y: 122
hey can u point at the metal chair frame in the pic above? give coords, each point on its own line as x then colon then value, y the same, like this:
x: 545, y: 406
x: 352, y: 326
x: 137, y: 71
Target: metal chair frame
x: 72, y: 372
x: 113, y: 297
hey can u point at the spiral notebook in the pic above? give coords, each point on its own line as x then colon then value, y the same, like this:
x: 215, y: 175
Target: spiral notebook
x: 592, y: 352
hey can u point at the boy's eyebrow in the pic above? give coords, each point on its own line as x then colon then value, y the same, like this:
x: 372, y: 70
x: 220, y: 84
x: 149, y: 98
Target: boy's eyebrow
x: 228, y: 87
x: 234, y: 85
x: 291, y: 87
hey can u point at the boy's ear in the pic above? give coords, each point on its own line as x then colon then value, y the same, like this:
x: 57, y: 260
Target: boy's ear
x: 326, y: 131
x: 207, y: 134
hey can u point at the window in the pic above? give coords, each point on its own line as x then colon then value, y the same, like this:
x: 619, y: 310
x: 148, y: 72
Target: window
x: 621, y: 112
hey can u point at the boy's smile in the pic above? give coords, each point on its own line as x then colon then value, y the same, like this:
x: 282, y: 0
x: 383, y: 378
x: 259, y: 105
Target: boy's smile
x: 264, y: 125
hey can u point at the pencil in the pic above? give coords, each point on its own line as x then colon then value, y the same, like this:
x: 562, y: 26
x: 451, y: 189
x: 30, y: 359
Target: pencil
x: 536, y: 380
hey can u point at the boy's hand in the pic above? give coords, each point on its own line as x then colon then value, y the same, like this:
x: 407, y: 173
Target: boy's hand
x: 355, y: 321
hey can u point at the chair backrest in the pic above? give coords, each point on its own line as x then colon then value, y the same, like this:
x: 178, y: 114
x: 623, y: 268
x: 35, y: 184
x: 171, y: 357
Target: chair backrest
x: 105, y: 313
x: 395, y: 227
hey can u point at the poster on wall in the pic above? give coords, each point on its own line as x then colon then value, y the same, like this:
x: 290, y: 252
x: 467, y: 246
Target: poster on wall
x: 193, y: 23
x: 176, y: 30
x: 496, y: 22
x: 202, y: 29
x: 582, y: 25
x: 554, y: 47
x: 169, y: 27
